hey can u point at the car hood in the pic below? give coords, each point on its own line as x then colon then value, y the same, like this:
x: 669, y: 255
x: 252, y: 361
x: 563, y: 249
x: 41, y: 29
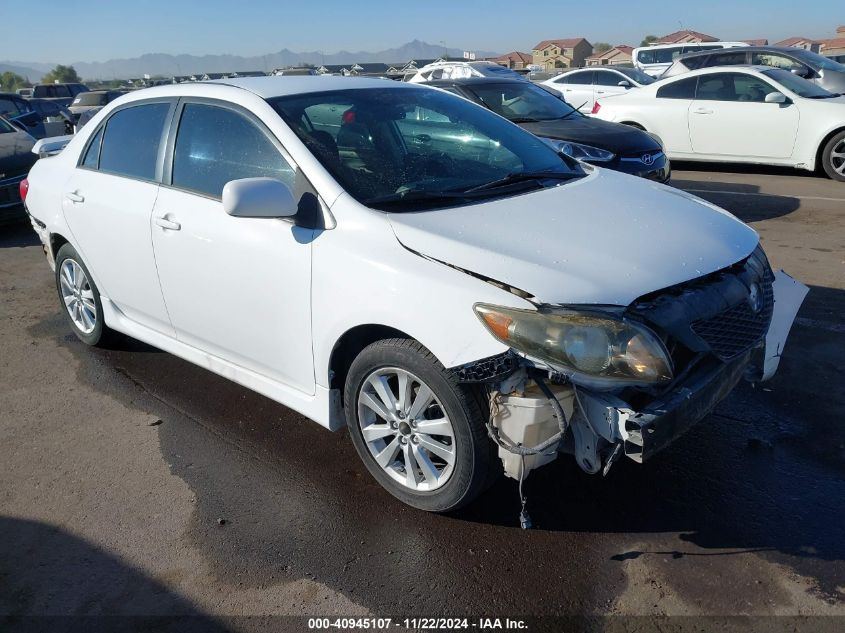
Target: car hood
x: 606, y: 239
x: 16, y: 155
x: 615, y: 137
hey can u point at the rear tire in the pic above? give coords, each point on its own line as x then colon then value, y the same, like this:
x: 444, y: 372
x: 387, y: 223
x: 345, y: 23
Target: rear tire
x: 432, y: 451
x: 833, y: 157
x: 80, y: 299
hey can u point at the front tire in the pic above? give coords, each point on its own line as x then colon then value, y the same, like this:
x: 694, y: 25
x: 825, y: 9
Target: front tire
x: 833, y: 157
x: 419, y: 432
x: 79, y: 298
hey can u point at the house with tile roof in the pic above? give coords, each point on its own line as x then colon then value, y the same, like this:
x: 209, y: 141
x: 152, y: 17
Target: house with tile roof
x: 686, y: 37
x: 806, y: 43
x: 618, y: 55
x: 515, y: 60
x: 563, y: 53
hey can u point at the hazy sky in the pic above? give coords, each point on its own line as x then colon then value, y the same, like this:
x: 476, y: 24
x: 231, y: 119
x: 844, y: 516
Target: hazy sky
x: 97, y: 30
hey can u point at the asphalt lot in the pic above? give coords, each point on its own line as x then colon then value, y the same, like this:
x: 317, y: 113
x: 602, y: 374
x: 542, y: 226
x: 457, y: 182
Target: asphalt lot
x: 134, y: 483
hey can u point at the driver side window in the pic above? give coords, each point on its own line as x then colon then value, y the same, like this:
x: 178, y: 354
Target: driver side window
x: 732, y: 87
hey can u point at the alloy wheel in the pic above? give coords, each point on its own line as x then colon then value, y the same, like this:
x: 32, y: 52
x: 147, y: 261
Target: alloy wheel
x: 406, y: 429
x: 837, y: 157
x: 78, y: 296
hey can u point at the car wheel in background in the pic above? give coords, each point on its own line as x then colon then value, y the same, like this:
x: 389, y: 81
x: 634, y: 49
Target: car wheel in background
x: 420, y: 432
x: 833, y: 157
x: 79, y: 297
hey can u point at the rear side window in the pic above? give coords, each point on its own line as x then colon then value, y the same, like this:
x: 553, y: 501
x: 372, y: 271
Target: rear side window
x: 215, y: 145
x: 682, y: 89
x: 131, y: 141
x: 92, y: 154
x: 582, y: 78
x: 727, y: 59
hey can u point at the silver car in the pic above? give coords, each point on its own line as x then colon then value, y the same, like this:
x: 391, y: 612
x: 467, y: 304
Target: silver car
x: 822, y: 71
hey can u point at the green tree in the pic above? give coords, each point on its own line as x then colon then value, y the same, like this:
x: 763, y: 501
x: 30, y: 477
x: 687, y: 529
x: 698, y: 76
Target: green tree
x: 648, y: 39
x: 600, y: 47
x: 61, y: 74
x: 9, y: 82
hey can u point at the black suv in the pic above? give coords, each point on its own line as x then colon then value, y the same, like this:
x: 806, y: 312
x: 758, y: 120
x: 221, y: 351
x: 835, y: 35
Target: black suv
x: 60, y: 93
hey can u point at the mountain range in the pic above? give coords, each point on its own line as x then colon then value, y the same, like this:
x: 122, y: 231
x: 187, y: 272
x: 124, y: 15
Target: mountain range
x: 168, y: 65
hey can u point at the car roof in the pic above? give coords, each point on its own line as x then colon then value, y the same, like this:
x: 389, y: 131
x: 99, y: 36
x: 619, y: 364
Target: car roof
x: 280, y: 86
x: 475, y: 80
x: 789, y: 50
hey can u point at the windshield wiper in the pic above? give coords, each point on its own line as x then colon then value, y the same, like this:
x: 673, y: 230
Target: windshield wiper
x: 523, y: 177
x: 413, y: 195
x: 524, y: 119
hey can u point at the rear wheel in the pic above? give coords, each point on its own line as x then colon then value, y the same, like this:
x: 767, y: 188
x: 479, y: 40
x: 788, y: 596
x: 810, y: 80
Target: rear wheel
x: 833, y: 157
x: 80, y: 298
x: 420, y: 433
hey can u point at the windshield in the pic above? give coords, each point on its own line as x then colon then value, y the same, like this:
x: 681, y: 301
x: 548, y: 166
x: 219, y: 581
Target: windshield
x: 415, y: 143
x: 522, y: 102
x: 91, y: 99
x: 637, y: 75
x: 818, y: 61
x: 494, y: 70
x: 798, y: 85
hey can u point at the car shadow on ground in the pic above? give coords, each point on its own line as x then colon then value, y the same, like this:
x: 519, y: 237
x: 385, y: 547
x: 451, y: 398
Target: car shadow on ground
x: 743, y: 200
x: 51, y: 580
x: 742, y: 168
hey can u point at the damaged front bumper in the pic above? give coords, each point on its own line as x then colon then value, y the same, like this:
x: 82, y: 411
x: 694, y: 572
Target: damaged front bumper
x: 605, y: 425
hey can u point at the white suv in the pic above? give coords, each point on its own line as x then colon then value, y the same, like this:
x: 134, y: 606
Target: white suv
x: 409, y: 264
x: 461, y: 70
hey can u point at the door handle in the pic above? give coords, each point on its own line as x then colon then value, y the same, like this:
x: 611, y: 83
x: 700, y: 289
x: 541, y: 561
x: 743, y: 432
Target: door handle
x: 167, y: 224
x: 702, y: 111
x: 74, y: 197
x: 599, y: 92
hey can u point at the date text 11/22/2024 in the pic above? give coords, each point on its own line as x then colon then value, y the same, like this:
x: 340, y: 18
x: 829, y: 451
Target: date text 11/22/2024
x: 416, y: 624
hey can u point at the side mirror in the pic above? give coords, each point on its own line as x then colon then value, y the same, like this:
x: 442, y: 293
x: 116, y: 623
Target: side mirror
x: 801, y: 71
x: 258, y: 198
x: 775, y: 97
x: 624, y: 83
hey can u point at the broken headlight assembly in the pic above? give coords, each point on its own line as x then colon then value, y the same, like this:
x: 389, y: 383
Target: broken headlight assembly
x: 579, y: 151
x: 591, y: 348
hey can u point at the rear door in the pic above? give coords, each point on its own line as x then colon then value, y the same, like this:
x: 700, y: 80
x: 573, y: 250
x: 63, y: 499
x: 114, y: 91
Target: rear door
x: 108, y: 201
x: 730, y: 117
x: 577, y: 89
x: 671, y: 120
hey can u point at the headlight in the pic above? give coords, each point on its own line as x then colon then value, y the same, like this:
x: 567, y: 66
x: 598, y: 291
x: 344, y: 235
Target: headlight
x: 592, y: 348
x: 579, y: 151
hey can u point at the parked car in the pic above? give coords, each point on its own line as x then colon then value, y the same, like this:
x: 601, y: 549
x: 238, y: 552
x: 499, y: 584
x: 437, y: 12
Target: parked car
x: 377, y: 281
x: 582, y: 87
x: 459, y: 70
x: 60, y: 93
x: 56, y: 118
x: 821, y: 70
x: 16, y: 158
x: 24, y: 92
x: 611, y: 145
x: 22, y: 114
x: 746, y: 114
x: 93, y: 99
x: 654, y: 60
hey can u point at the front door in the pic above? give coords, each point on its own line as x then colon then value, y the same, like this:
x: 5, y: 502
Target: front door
x: 238, y: 288
x: 729, y: 117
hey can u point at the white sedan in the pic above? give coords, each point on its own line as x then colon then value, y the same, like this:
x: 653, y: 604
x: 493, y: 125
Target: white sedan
x: 743, y: 114
x: 581, y: 88
x: 407, y: 263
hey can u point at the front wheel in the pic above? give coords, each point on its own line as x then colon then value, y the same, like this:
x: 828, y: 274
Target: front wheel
x: 420, y: 433
x: 833, y: 157
x: 80, y: 298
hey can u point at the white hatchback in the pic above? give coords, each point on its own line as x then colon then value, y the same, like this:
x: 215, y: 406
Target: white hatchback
x: 401, y: 261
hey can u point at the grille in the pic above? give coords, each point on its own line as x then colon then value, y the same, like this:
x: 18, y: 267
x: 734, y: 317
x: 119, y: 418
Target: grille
x: 737, y: 329
x: 487, y: 369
